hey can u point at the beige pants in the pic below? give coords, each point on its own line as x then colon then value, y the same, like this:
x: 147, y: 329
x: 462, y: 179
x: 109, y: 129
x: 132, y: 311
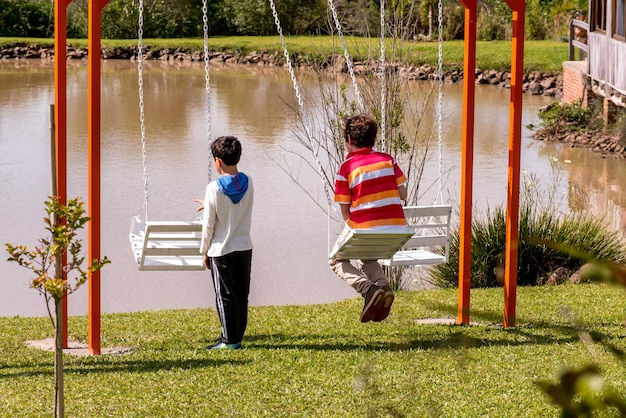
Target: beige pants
x: 361, y: 277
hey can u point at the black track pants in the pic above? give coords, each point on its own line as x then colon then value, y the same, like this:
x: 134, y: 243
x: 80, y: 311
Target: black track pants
x: 231, y: 279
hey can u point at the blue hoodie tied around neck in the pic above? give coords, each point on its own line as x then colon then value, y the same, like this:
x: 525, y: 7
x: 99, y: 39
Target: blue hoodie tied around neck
x: 234, y: 187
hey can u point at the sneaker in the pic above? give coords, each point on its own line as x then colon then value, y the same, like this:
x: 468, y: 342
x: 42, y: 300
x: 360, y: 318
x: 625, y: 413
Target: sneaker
x: 224, y: 346
x: 385, y: 306
x: 373, y: 300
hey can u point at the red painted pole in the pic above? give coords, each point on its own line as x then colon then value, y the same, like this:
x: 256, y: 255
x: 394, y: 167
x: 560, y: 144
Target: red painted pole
x: 93, y: 121
x: 515, y: 142
x: 60, y: 120
x: 467, y: 163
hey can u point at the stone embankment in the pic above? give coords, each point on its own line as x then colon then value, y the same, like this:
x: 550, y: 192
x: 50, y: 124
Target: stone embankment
x: 605, y: 143
x: 535, y: 83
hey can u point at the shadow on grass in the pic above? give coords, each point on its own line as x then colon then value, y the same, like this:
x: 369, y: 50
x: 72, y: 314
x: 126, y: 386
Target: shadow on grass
x: 486, y: 331
x: 420, y: 337
x: 104, y: 364
x: 454, y: 339
x: 393, y: 337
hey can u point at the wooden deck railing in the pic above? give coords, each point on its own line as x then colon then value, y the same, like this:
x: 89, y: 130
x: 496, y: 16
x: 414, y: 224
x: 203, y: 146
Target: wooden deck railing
x: 578, y: 29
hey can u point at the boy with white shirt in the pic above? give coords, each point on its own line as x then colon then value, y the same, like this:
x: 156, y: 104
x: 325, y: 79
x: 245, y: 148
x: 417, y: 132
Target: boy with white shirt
x: 226, y: 242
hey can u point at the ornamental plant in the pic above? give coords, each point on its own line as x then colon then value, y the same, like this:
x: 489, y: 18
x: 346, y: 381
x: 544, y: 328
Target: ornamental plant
x: 53, y: 279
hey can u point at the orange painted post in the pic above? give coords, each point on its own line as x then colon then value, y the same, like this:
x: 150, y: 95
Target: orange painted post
x: 467, y: 163
x: 515, y: 143
x: 93, y: 121
x: 60, y: 119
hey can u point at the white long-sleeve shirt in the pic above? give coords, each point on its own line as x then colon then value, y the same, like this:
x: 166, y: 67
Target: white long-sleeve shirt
x: 226, y: 225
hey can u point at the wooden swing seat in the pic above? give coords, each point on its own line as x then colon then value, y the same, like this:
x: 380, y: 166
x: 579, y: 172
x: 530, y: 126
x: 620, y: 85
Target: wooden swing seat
x: 425, y: 240
x: 430, y: 243
x: 371, y: 243
x: 167, y: 245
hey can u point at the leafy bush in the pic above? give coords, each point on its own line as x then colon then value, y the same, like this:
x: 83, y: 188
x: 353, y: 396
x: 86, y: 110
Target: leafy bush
x: 568, y: 117
x: 548, y: 240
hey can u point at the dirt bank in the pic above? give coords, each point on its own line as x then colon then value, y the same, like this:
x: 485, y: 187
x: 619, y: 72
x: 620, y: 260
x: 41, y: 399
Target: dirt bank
x: 606, y: 143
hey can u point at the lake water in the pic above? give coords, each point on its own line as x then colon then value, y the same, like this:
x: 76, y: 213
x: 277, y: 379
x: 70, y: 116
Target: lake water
x: 290, y: 233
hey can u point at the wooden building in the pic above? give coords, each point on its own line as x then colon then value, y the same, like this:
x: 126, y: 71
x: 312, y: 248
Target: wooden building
x: 602, y: 46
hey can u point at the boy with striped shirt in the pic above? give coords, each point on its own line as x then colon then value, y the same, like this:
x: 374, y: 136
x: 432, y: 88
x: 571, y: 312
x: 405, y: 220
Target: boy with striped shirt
x: 370, y: 189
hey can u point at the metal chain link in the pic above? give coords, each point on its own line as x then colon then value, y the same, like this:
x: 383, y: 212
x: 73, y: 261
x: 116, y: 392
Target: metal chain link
x: 440, y: 99
x: 383, y: 79
x: 314, y: 146
x: 207, y: 85
x: 142, y: 118
x: 346, y: 56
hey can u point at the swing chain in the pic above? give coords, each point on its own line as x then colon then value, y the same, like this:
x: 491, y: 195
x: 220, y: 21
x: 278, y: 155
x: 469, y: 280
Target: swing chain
x: 314, y: 146
x: 346, y: 55
x: 292, y: 74
x: 207, y: 84
x: 142, y: 118
x: 440, y: 98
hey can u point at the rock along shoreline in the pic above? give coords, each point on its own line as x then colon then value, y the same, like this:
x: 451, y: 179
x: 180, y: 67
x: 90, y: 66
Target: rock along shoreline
x: 535, y: 83
x: 607, y: 144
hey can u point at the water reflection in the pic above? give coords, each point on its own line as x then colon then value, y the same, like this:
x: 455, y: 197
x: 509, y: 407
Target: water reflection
x: 290, y: 232
x: 602, y: 180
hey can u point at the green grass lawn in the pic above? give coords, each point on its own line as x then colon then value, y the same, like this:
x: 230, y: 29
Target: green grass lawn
x: 494, y: 55
x: 320, y: 361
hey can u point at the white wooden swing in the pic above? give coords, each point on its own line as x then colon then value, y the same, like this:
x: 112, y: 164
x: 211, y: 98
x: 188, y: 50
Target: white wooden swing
x: 371, y: 243
x: 167, y: 245
x: 425, y: 240
x: 430, y: 243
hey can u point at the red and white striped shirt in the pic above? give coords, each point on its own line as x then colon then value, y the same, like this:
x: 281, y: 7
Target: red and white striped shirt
x: 368, y: 181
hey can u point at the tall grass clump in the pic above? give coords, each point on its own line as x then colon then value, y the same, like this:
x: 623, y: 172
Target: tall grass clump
x: 549, y: 239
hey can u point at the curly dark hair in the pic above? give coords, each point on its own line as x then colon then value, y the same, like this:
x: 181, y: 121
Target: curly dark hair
x: 227, y: 149
x: 362, y: 130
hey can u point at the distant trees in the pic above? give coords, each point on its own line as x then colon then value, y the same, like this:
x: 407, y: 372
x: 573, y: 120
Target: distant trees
x: 546, y: 19
x: 26, y: 18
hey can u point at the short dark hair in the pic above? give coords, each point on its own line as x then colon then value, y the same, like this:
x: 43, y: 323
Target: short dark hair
x: 227, y: 149
x: 362, y: 130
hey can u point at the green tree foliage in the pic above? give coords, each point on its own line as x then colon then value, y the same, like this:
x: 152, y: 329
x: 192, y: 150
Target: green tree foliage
x: 561, y: 12
x: 119, y: 20
x: 537, y: 20
x: 452, y: 15
x: 27, y: 18
x: 359, y: 17
x: 545, y: 19
x: 77, y: 16
x: 254, y: 17
x: 493, y: 20
x: 249, y: 17
x: 162, y: 18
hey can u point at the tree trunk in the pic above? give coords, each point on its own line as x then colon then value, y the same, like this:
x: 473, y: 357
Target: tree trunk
x: 59, y: 398
x: 430, y: 21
